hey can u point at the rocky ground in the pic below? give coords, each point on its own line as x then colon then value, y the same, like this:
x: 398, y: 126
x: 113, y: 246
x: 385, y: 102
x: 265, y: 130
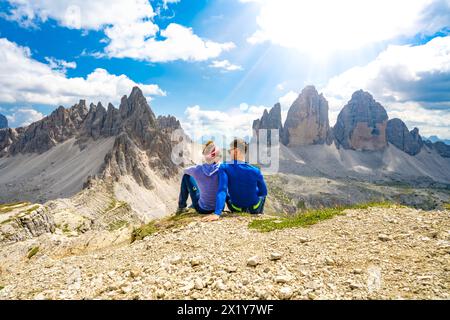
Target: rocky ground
x: 378, y: 253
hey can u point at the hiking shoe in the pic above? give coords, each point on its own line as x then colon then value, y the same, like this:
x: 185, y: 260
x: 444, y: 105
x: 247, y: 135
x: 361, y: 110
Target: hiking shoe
x: 181, y: 211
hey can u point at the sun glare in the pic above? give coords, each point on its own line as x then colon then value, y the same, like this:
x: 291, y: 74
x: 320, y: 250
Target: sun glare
x: 321, y: 27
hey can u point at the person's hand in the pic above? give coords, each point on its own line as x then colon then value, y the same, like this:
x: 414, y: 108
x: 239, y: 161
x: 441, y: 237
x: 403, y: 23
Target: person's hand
x: 211, y: 218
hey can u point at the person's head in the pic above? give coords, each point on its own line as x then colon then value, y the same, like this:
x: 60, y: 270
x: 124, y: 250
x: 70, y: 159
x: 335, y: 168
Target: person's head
x: 238, y: 149
x: 211, y: 153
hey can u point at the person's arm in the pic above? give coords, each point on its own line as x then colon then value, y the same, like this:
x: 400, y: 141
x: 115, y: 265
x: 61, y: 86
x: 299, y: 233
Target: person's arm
x: 262, y: 188
x: 222, y: 191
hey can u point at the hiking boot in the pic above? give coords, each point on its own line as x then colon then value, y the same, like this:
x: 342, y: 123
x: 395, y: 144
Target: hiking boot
x: 181, y: 211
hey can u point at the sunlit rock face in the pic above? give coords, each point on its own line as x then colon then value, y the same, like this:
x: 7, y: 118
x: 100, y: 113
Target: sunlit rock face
x: 405, y: 140
x: 307, y: 120
x: 361, y: 125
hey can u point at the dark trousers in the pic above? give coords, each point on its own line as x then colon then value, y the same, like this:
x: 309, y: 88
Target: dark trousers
x: 190, y: 188
x: 256, y: 209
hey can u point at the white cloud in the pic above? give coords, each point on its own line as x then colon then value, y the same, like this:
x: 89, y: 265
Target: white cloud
x: 23, y: 117
x: 321, y: 27
x: 60, y: 65
x: 25, y: 80
x: 179, y: 43
x: 280, y: 86
x: 235, y: 122
x: 430, y: 122
x: 232, y: 122
x: 225, y: 65
x: 167, y: 2
x: 81, y: 14
x: 128, y: 26
x: 412, y: 82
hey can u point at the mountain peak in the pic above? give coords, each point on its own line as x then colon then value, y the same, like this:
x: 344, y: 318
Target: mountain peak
x: 397, y: 133
x: 362, y: 95
x: 361, y: 125
x: 307, y: 120
x: 136, y: 93
x: 310, y: 90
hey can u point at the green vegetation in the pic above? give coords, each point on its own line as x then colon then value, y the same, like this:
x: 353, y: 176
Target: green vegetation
x: 31, y: 209
x: 164, y: 224
x: 8, y: 207
x: 117, y: 225
x: 309, y: 217
x: 2, y: 287
x: 65, y: 228
x: 32, y: 252
x: 447, y: 206
x: 7, y: 221
x: 115, y: 204
x: 301, y: 205
x: 143, y: 231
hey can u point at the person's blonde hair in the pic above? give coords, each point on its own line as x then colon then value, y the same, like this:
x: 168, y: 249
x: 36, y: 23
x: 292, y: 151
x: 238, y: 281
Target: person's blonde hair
x: 208, y: 147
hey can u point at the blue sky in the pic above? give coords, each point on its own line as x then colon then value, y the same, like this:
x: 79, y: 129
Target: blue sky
x: 216, y: 64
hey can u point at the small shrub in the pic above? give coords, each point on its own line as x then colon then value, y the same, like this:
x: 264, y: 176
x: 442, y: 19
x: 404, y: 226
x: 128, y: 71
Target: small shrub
x: 32, y: 252
x: 143, y: 231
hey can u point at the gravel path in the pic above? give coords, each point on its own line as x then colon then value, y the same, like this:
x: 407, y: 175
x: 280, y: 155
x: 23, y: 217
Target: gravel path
x: 377, y: 253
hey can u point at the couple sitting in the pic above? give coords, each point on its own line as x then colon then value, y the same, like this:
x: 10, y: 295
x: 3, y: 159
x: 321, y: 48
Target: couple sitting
x: 211, y: 185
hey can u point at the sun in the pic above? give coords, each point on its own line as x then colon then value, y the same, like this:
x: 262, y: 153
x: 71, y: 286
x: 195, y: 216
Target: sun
x: 321, y: 27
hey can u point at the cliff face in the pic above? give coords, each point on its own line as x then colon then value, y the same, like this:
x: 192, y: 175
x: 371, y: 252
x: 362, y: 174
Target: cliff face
x: 141, y: 140
x: 269, y: 121
x: 398, y: 134
x: 361, y: 125
x: 307, y: 120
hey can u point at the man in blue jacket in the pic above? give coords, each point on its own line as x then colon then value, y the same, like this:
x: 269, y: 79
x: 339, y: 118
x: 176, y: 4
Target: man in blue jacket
x: 241, y: 186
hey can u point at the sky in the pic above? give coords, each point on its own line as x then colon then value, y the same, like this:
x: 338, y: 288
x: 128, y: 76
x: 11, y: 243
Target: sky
x: 217, y: 64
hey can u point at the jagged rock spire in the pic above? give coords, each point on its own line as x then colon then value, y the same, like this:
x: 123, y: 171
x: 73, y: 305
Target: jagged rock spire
x: 307, y: 120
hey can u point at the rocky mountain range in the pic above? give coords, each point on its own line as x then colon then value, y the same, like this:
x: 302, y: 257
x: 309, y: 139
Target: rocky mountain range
x: 78, y: 186
x: 93, y: 167
x: 436, y: 139
x: 3, y: 122
x: 362, y: 125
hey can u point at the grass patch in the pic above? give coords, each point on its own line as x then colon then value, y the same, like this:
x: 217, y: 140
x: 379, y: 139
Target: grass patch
x: 116, y: 225
x: 168, y: 223
x: 115, y: 205
x: 7, y: 221
x: 65, y: 228
x: 30, y: 210
x: 8, y: 207
x: 447, y: 206
x: 2, y: 287
x: 32, y: 252
x: 143, y: 231
x: 309, y: 217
